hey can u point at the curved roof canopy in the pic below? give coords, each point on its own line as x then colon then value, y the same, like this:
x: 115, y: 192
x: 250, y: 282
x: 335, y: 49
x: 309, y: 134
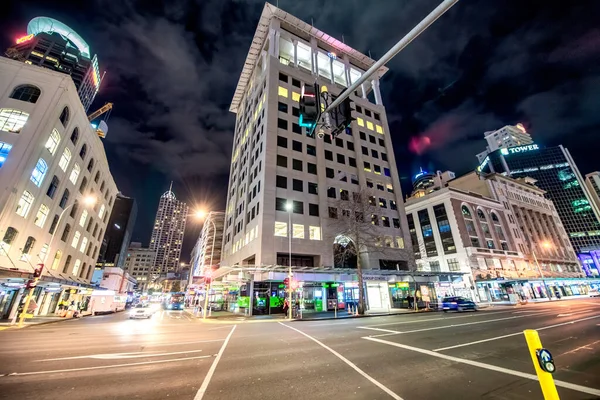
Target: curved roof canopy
x: 168, y: 195
x: 50, y: 25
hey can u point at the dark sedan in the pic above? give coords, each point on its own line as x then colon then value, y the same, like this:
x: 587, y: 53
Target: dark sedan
x: 458, y: 304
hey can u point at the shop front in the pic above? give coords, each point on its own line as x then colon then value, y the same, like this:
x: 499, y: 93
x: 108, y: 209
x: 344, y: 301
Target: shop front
x: 527, y: 289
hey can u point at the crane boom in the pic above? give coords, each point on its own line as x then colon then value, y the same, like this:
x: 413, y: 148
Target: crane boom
x: 105, y: 108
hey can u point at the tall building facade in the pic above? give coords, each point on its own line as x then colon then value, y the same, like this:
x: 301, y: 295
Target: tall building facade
x: 51, y: 161
x: 118, y: 232
x: 139, y: 263
x: 276, y: 161
x: 426, y: 182
x: 503, y: 138
x: 167, y: 234
x: 555, y: 171
x: 51, y: 44
x: 592, y: 180
x: 207, y: 251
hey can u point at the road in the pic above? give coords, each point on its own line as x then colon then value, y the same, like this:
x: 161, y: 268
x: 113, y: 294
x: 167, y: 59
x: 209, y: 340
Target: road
x: 471, y: 355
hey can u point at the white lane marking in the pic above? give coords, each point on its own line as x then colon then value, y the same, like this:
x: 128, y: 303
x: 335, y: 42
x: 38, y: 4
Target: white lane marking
x: 219, y: 327
x: 514, y: 334
x: 59, y: 371
x: 572, y: 313
x: 584, y: 347
x: 178, y: 343
x: 490, y: 367
x: 378, y: 329
x: 454, y: 326
x: 120, y: 356
x: 349, y: 363
x: 213, y: 367
x: 529, y: 311
x: 441, y: 318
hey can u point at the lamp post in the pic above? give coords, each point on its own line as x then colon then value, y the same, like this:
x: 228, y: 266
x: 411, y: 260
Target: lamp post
x: 289, y: 207
x: 207, y: 216
x: 545, y: 245
x: 87, y: 201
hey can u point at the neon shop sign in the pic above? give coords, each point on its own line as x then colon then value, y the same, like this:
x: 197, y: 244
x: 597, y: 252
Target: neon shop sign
x: 519, y: 149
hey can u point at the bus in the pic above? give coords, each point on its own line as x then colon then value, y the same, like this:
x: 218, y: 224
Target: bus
x: 175, y: 302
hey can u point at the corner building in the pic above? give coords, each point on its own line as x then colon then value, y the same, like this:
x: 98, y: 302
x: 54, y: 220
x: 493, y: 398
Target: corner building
x: 50, y: 159
x: 275, y: 160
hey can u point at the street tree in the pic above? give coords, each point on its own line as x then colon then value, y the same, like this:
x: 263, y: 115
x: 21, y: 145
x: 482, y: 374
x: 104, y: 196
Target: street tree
x: 354, y: 232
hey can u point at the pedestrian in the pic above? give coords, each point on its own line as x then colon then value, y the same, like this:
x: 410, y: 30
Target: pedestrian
x: 410, y: 300
x: 286, y: 306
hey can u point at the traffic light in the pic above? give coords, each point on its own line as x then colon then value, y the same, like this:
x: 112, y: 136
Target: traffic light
x: 38, y: 271
x: 31, y: 284
x: 286, y: 282
x: 341, y: 117
x: 310, y: 107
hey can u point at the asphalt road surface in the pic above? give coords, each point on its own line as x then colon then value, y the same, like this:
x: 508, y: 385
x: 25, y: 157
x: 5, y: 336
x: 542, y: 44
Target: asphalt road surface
x: 471, y: 355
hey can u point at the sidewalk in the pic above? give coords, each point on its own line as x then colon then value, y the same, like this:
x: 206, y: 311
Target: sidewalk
x: 225, y: 316
x: 533, y: 301
x: 6, y: 323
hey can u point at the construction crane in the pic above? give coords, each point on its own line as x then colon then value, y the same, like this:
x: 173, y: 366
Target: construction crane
x: 105, y: 108
x: 101, y: 127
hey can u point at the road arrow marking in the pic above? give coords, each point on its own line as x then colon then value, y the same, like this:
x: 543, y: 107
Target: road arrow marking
x: 573, y: 313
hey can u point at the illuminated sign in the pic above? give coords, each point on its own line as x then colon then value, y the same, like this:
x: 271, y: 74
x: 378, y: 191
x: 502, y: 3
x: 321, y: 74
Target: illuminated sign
x: 484, y: 163
x: 332, y: 55
x: 504, y: 151
x: 420, y: 174
x: 522, y: 149
x: 23, y: 39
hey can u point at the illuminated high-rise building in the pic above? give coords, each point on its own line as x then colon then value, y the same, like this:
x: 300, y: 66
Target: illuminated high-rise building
x: 503, y: 138
x: 167, y: 234
x: 51, y: 44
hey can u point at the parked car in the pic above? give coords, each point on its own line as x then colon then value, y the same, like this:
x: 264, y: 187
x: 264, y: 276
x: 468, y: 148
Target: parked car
x: 141, y: 311
x: 594, y: 293
x: 458, y: 304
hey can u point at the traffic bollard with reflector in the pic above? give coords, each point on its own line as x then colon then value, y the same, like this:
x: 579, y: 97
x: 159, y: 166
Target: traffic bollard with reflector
x: 543, y: 364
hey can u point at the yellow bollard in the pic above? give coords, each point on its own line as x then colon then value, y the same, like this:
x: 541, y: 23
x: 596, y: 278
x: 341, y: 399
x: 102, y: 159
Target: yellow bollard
x: 545, y: 378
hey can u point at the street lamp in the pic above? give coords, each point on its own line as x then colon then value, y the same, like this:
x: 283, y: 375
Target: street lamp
x: 88, y: 201
x: 289, y: 207
x: 546, y: 245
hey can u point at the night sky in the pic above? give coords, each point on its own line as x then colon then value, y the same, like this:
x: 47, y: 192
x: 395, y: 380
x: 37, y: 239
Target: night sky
x: 172, y: 67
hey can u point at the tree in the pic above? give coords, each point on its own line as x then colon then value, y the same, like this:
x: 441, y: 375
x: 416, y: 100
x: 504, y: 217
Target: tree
x: 355, y: 234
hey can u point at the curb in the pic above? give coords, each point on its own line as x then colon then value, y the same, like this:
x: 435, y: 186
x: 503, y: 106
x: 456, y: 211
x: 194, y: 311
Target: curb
x: 10, y: 327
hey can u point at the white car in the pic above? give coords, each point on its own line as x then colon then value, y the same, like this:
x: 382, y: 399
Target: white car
x: 594, y: 293
x: 141, y: 311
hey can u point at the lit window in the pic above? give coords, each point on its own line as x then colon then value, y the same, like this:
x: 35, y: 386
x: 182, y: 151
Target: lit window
x: 84, y: 243
x: 314, y: 232
x: 4, y: 150
x: 83, y: 218
x: 339, y: 73
x: 323, y: 62
x: 354, y: 75
x: 360, y: 121
x: 101, y: 212
x: 53, y: 141
x: 27, y: 248
x: 298, y: 231
x: 37, y: 176
x: 286, y: 51
x: 295, y: 96
x: 65, y: 159
x: 304, y: 55
x: 12, y: 120
x: 24, y: 204
x: 399, y: 242
x: 43, y: 253
x: 76, y: 267
x: 75, y: 239
x: 56, y: 260
x: 281, y: 229
x: 75, y: 174
x: 379, y: 129
x: 370, y: 125
x: 41, y: 216
x: 283, y: 92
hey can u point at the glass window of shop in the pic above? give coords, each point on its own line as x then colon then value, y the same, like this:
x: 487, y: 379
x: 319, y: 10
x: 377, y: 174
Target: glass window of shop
x: 444, y: 228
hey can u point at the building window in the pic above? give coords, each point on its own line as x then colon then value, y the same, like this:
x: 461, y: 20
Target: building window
x: 311, y: 168
x: 9, y: 236
x: 90, y: 165
x: 65, y: 233
x: 341, y: 159
x: 331, y: 193
x: 56, y: 260
x: 313, y: 188
x: 64, y: 199
x: 83, y: 151
x: 12, y: 120
x: 297, y: 185
x: 97, y: 177
x: 283, y: 77
x: 84, y: 243
x: 28, y: 93
x: 83, y: 218
x: 297, y: 207
x: 328, y: 155
x: 367, y: 166
x: 280, y: 204
x: 364, y: 150
x: 427, y: 231
x: 311, y: 150
x: 282, y: 161
x: 281, y: 182
x: 480, y: 214
x: 53, y: 187
x: 465, y: 211
x: 75, y: 239
x: 296, y: 145
x: 282, y: 141
x: 313, y: 209
x: 453, y: 265
x: 83, y: 185
x: 29, y: 243
x: 352, y: 162
x: 4, y: 150
x: 282, y: 123
x: 298, y: 231
x: 76, y: 267
x: 53, y: 224
x: 74, y: 173
x: 382, y: 202
x: 385, y: 221
x: 381, y: 142
x: 332, y: 212
x: 296, y: 128
x: 64, y: 116
x: 360, y: 121
x: 24, y: 204
x: 283, y: 92
x: 53, y: 141
x: 444, y: 229
x: 344, y: 195
x: 65, y: 159
x: 281, y: 229
x: 297, y: 165
x: 75, y: 136
x: 283, y: 107
x: 37, y: 176
x: 42, y: 215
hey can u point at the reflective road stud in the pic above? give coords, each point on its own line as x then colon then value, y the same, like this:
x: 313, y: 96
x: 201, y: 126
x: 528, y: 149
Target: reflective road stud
x: 545, y: 378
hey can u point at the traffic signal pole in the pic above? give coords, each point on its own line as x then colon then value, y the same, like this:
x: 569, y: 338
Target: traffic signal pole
x: 398, y: 47
x: 31, y: 285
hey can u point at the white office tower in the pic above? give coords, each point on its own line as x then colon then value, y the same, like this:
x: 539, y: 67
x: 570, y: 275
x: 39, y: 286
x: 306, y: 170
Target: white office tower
x: 167, y: 234
x: 503, y: 138
x: 275, y: 162
x: 51, y: 160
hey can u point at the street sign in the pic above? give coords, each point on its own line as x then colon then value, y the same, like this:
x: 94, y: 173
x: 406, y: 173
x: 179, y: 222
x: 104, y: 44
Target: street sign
x: 545, y: 360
